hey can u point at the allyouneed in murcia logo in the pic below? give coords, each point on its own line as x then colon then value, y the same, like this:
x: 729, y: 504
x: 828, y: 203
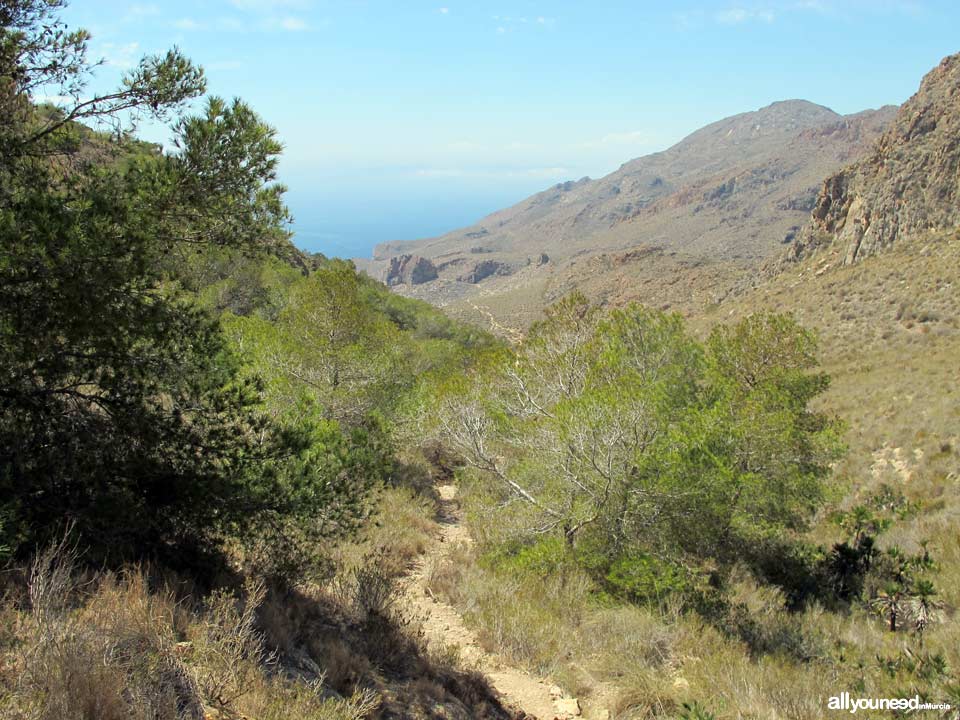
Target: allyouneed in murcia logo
x: 844, y: 701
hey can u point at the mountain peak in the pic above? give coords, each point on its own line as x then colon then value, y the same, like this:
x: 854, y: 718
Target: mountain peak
x: 796, y: 105
x: 777, y: 120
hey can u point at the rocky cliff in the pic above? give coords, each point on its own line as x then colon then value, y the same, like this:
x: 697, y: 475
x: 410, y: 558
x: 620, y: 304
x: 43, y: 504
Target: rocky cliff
x: 908, y: 183
x: 409, y: 270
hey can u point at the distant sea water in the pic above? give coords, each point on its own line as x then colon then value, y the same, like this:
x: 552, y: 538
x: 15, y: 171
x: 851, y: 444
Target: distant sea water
x: 353, y: 227
x: 333, y: 244
x: 356, y: 236
x: 353, y: 238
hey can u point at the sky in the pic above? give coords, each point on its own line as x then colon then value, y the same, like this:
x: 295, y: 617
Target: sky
x: 408, y: 118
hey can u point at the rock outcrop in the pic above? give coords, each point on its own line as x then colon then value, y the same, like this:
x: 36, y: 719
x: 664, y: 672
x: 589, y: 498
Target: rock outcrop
x: 409, y: 270
x: 484, y: 269
x: 908, y: 183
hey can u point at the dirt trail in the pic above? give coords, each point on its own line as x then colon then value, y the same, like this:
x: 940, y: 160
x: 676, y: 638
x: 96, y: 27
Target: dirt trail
x: 443, y: 625
x: 512, y: 334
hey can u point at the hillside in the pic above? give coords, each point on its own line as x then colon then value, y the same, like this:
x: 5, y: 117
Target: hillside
x: 875, y: 272
x: 729, y: 195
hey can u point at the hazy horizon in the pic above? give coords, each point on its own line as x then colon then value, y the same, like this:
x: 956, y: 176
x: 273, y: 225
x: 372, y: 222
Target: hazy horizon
x: 407, y: 121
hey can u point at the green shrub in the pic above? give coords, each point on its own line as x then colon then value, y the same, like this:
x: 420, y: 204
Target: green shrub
x: 695, y: 711
x: 644, y: 578
x: 544, y: 557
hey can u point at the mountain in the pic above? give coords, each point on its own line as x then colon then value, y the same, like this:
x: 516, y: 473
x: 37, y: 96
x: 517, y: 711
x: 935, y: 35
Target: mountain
x: 716, y: 204
x: 907, y: 184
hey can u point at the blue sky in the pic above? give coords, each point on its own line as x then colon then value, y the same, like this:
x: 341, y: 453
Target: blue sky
x: 406, y: 119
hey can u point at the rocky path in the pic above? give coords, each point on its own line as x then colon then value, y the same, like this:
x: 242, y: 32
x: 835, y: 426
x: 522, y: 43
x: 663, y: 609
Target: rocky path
x: 443, y: 626
x: 512, y: 334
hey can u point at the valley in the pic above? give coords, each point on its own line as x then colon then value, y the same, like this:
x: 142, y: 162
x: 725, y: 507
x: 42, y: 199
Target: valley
x: 678, y: 443
x: 873, y: 269
x: 706, y: 212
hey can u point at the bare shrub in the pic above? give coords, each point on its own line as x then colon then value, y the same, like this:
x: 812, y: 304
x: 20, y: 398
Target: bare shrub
x: 107, y: 654
x: 228, y: 649
x: 367, y: 589
x: 50, y: 582
x: 627, y: 637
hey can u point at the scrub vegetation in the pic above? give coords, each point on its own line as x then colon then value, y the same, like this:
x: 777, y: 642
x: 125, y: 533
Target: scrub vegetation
x: 219, y: 455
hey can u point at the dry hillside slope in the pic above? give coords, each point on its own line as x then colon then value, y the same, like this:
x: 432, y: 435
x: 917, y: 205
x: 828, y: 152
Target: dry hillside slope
x: 889, y: 328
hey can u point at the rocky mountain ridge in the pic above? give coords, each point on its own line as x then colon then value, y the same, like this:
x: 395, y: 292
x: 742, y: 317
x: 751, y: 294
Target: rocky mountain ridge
x: 733, y: 192
x: 728, y: 158
x: 907, y: 184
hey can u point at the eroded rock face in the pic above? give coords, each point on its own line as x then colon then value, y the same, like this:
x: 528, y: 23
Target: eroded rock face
x: 484, y: 269
x: 908, y: 183
x: 409, y: 270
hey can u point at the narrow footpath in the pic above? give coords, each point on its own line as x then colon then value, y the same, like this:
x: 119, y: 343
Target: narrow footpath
x: 443, y: 626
